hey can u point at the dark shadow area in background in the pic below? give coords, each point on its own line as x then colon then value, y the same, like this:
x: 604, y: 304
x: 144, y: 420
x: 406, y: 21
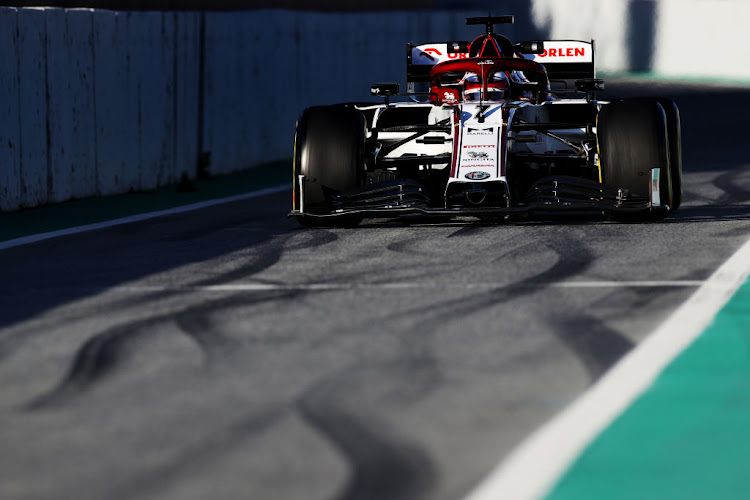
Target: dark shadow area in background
x: 519, y: 8
x: 714, y: 130
x: 641, y: 33
x: 318, y: 5
x: 44, y: 275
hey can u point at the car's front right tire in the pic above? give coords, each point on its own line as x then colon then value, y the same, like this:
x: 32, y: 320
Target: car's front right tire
x: 633, y: 138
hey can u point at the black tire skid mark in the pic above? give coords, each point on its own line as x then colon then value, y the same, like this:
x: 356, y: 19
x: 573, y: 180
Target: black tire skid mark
x: 344, y: 409
x: 377, y: 454
x: 595, y: 345
x: 406, y: 246
x: 99, y: 356
x: 587, y: 347
x: 314, y: 237
x: 385, y: 465
x: 271, y: 254
x: 104, y: 352
x: 194, y: 455
x: 198, y: 327
x: 733, y: 194
x: 731, y: 200
x: 451, y: 309
x: 385, y: 462
x: 216, y: 346
x: 598, y: 346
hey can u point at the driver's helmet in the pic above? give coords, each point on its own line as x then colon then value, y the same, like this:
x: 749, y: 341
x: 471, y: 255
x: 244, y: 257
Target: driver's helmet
x: 498, y: 87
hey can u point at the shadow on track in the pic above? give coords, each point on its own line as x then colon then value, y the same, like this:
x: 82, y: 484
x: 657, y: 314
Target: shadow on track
x: 44, y: 275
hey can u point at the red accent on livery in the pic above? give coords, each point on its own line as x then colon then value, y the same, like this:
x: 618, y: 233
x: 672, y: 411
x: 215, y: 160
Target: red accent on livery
x: 456, y: 137
x: 488, y: 65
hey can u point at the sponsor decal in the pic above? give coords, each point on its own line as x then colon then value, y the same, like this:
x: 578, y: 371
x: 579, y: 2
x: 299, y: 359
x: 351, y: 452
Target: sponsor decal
x: 435, y: 55
x: 480, y: 131
x: 449, y: 97
x: 477, y: 176
x: 564, y: 52
x: 478, y: 155
x: 425, y: 53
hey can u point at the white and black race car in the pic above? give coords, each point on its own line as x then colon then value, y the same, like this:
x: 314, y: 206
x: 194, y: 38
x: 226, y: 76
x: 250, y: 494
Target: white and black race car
x: 492, y: 129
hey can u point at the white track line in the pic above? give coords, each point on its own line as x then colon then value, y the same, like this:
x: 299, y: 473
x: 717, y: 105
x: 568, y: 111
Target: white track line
x: 265, y: 287
x: 532, y: 470
x: 25, y: 240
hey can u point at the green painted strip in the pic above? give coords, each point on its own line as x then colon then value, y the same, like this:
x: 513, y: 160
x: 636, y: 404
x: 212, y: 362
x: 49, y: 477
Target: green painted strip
x: 92, y: 210
x: 688, y: 436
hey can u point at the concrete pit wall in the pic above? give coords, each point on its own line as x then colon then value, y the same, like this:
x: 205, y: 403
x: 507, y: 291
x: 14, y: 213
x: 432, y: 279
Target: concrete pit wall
x: 94, y: 103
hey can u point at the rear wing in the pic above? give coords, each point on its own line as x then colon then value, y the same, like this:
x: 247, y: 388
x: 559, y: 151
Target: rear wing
x: 566, y: 61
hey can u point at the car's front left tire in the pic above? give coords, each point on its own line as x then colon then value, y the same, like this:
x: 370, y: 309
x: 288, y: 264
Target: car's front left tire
x: 329, y: 154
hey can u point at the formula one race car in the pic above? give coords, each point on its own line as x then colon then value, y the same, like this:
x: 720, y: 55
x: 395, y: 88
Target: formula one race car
x: 493, y: 130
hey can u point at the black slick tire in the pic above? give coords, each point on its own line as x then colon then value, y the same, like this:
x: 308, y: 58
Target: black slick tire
x: 329, y: 153
x: 632, y: 138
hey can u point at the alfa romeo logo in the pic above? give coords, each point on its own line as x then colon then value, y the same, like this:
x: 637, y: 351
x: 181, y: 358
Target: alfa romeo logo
x: 477, y: 176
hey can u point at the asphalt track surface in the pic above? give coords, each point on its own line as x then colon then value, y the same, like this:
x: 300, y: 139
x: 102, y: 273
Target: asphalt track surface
x: 229, y: 353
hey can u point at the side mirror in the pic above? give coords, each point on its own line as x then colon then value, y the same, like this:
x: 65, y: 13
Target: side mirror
x: 385, y: 89
x: 593, y: 85
x: 530, y: 47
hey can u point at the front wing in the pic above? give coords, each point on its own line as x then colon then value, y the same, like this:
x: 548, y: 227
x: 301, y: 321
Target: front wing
x: 549, y: 195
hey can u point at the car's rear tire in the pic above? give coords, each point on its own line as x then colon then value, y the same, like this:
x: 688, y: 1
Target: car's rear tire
x: 632, y: 139
x: 329, y: 153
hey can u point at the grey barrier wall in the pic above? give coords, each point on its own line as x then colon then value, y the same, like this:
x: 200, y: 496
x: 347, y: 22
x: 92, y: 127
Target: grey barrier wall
x: 95, y: 103
x: 98, y: 102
